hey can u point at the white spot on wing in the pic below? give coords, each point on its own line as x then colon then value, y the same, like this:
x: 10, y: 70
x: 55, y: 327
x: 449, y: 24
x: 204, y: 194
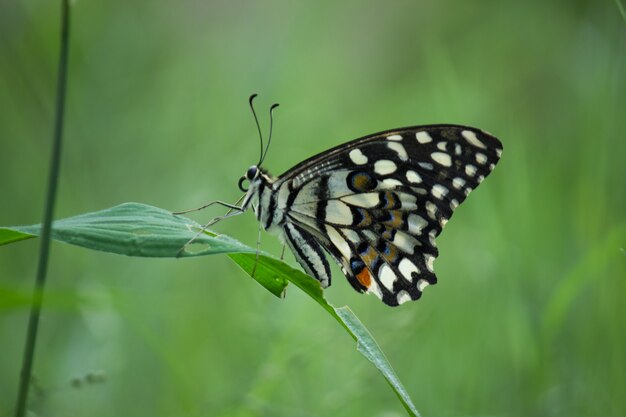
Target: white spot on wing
x: 442, y: 158
x: 481, y: 158
x: 339, y: 242
x: 357, y: 157
x: 431, y: 209
x: 416, y: 224
x: 471, y: 138
x: 394, y: 137
x: 399, y: 149
x: 423, y: 137
x: 384, y: 167
x: 431, y: 237
x: 409, y: 201
x: 387, y: 277
x: 366, y: 200
x: 429, y: 259
x: 454, y: 204
x: 499, y: 152
x: 371, y: 236
x: 425, y: 165
x: 351, y: 235
x: 441, y: 146
x: 439, y: 191
x: 421, y: 284
x: 470, y: 170
x: 403, y: 297
x: 404, y: 242
x: 375, y: 289
x: 458, y: 183
x: 391, y: 183
x: 338, y: 213
x: 413, y: 176
x: 406, y: 268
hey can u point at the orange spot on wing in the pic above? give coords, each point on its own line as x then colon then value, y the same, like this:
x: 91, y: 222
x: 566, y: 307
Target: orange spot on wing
x: 364, y: 277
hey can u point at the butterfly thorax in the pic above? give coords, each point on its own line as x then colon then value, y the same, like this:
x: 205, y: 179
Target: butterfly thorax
x: 261, y: 195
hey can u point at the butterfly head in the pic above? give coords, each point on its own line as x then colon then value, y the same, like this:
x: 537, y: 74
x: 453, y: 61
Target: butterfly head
x: 251, y: 174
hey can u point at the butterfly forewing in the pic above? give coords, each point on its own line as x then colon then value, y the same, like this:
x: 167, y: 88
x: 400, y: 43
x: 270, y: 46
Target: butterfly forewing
x: 377, y: 203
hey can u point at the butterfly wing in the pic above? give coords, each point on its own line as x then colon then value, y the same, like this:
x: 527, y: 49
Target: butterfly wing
x: 376, y: 204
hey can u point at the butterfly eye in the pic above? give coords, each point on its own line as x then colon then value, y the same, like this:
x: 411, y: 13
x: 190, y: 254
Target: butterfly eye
x: 241, y: 180
x: 252, y: 172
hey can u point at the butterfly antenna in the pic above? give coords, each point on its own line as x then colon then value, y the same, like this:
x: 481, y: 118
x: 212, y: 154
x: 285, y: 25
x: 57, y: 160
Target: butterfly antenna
x: 271, y: 128
x: 256, y: 119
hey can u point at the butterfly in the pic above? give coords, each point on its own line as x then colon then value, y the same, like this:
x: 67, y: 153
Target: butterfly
x: 375, y: 204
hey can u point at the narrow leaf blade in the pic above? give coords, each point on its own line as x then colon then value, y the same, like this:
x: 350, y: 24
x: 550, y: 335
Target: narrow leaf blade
x: 8, y: 235
x: 370, y: 349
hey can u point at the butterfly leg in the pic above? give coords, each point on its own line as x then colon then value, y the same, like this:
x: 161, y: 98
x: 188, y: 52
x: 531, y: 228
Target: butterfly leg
x: 282, y: 254
x: 221, y: 203
x: 230, y: 213
x: 258, y: 244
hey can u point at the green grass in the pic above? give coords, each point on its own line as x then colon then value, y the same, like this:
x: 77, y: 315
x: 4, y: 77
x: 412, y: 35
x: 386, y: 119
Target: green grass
x: 528, y: 315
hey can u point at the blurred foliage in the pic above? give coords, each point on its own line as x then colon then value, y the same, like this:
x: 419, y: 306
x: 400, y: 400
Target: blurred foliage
x: 528, y: 317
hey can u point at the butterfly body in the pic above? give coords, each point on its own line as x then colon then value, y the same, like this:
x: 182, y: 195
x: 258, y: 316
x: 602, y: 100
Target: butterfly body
x: 375, y: 204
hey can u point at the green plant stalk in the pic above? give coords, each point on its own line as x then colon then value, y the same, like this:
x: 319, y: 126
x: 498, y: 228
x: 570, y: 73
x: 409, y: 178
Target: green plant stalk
x: 53, y: 178
x: 622, y: 12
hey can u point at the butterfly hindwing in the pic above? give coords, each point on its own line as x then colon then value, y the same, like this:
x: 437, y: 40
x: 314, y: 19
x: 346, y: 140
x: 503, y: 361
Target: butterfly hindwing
x: 377, y: 204
x: 308, y: 253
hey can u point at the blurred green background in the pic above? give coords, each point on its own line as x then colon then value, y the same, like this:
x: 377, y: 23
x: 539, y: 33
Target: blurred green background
x: 529, y: 316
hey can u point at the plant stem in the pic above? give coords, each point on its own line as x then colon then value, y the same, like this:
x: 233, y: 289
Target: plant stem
x: 53, y: 177
x: 622, y: 12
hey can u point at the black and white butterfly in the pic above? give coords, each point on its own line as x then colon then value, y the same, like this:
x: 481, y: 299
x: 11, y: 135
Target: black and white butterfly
x: 375, y: 204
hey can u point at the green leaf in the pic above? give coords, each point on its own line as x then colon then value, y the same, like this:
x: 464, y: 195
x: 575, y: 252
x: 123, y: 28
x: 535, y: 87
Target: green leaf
x: 370, y: 349
x: 135, y: 229
x: 9, y: 236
